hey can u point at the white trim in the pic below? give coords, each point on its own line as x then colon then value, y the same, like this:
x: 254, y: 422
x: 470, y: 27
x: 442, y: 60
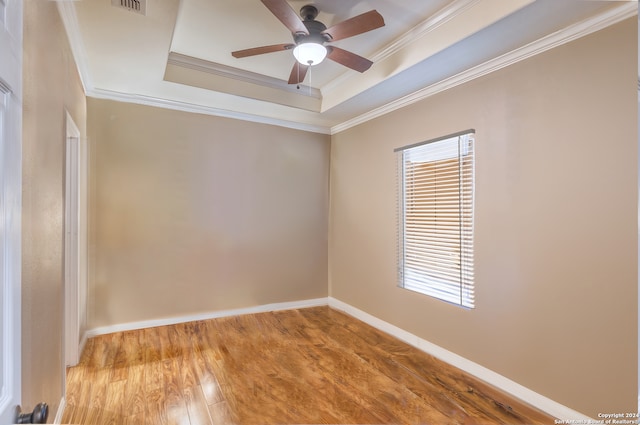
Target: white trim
x: 206, y: 316
x: 60, y: 411
x: 514, y: 389
x: 213, y: 68
x: 83, y: 342
x: 67, y: 11
x: 11, y: 39
x: 202, y: 109
x: 505, y: 384
x: 563, y: 36
x: 566, y: 35
x: 441, y: 17
x: 72, y: 245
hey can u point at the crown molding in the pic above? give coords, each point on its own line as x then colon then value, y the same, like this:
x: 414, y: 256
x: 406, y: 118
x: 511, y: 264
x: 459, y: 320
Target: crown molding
x: 610, y: 17
x: 202, y: 109
x: 208, y: 67
x: 67, y: 11
x: 442, y: 16
x: 566, y: 35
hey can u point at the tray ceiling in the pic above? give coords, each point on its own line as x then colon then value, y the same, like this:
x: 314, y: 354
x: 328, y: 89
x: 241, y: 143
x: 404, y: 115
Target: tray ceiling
x: 178, y: 54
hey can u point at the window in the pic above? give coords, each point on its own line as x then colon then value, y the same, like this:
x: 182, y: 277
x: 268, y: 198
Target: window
x: 435, y: 225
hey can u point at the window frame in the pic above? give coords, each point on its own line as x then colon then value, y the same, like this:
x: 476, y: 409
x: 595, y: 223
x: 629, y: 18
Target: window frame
x: 450, y: 277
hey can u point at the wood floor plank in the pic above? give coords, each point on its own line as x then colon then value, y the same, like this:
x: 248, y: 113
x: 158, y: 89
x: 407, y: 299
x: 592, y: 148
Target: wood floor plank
x: 250, y: 397
x: 134, y: 391
x: 113, y: 407
x: 478, y: 397
x: 87, y: 352
x: 119, y: 369
x: 100, y: 380
x: 174, y: 402
x: 197, y: 406
x: 81, y: 406
x: 67, y: 416
x: 98, y: 354
x: 153, y: 378
x: 177, y: 345
x: 432, y: 403
x: 203, y: 362
x: 433, y: 371
x: 308, y: 372
x: 188, y: 371
x: 134, y: 347
x: 314, y: 365
x: 171, y: 381
x: 153, y: 348
x: 360, y: 378
x: 155, y: 413
x: 74, y: 393
x: 221, y: 414
x: 167, y: 349
x: 137, y: 419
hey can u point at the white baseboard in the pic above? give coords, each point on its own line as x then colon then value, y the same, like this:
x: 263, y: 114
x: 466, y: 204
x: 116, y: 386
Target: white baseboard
x: 60, y: 411
x: 539, y: 401
x: 205, y: 316
x: 83, y: 342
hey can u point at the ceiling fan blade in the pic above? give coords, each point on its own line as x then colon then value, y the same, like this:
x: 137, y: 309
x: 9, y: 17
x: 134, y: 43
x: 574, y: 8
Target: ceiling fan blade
x: 286, y: 15
x: 357, y: 25
x: 298, y: 73
x: 348, y: 59
x: 261, y: 50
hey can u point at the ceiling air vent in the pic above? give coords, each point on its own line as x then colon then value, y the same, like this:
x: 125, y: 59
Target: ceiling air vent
x: 138, y: 6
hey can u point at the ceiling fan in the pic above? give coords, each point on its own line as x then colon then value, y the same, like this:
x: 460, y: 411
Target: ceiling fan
x: 310, y: 36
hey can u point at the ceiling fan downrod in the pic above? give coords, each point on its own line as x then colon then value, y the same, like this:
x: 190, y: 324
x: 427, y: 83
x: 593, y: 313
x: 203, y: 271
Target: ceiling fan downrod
x: 308, y: 12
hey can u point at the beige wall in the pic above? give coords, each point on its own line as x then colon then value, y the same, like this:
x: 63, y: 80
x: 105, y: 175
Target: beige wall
x: 194, y: 213
x: 555, y: 224
x: 51, y: 85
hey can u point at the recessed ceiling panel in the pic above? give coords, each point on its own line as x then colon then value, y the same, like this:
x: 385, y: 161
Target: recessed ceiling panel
x: 179, y: 53
x: 212, y: 30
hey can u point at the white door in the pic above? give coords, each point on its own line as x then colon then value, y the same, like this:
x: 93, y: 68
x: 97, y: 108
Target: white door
x: 10, y: 205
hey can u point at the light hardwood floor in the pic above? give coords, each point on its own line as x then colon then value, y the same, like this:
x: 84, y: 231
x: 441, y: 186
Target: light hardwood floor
x: 313, y: 365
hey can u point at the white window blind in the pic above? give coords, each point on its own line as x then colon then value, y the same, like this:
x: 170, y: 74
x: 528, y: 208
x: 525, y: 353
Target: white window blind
x: 435, y: 243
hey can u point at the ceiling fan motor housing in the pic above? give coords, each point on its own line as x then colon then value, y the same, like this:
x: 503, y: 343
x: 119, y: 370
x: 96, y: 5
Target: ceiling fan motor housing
x: 315, y: 35
x: 315, y: 28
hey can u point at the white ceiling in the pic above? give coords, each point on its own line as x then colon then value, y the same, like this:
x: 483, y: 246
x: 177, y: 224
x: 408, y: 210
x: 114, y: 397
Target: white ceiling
x: 178, y: 55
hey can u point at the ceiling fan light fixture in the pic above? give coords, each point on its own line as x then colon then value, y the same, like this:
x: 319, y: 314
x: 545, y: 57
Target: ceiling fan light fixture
x: 310, y: 53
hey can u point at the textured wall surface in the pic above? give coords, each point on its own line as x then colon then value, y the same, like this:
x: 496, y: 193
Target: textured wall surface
x: 51, y: 86
x: 555, y: 221
x: 194, y: 213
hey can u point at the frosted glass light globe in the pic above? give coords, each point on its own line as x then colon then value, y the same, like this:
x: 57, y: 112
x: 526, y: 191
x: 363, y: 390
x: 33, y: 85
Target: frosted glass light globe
x: 310, y: 53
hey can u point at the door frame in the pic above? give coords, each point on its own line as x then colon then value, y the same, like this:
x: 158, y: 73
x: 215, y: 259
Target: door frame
x: 73, y: 245
x: 10, y: 208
